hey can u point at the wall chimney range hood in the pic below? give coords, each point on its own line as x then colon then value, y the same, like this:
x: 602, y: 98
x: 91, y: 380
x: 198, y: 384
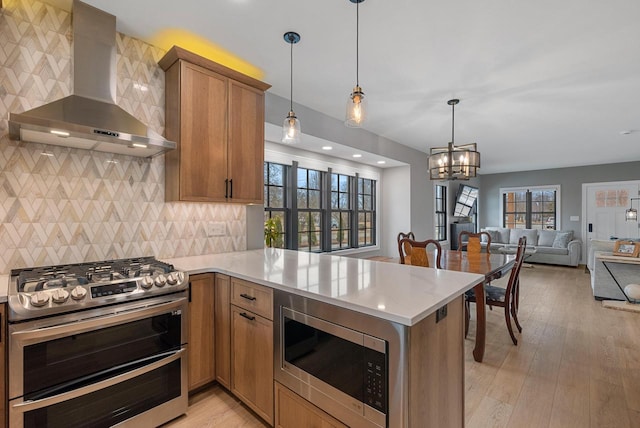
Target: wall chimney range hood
x: 89, y: 118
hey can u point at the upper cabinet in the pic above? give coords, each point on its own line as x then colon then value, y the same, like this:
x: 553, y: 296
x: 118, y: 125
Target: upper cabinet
x: 216, y: 115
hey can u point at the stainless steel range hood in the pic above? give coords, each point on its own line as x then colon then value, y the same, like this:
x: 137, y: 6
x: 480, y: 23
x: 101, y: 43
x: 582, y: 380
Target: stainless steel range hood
x: 90, y: 119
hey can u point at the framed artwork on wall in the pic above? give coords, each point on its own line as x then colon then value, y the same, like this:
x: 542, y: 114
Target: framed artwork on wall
x: 626, y: 248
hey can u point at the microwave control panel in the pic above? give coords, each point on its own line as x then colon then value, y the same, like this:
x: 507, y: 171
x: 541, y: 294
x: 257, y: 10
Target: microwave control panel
x: 375, y: 380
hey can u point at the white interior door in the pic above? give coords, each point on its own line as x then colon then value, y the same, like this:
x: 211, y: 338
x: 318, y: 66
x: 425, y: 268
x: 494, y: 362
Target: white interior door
x: 605, y: 205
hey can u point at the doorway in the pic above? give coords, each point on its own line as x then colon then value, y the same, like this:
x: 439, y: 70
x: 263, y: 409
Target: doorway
x: 603, y: 211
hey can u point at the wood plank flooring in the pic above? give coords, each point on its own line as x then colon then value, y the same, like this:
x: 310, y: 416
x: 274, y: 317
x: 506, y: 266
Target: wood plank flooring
x: 577, y: 364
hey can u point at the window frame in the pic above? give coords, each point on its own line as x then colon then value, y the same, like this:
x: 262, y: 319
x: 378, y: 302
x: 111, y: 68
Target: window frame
x: 285, y: 205
x: 292, y: 211
x: 440, y: 216
x: 528, y: 213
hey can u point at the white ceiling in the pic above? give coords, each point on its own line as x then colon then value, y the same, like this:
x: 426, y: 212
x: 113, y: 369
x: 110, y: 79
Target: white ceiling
x: 542, y: 84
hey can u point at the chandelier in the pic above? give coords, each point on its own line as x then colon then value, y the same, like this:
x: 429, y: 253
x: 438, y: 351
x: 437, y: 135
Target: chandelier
x: 453, y: 162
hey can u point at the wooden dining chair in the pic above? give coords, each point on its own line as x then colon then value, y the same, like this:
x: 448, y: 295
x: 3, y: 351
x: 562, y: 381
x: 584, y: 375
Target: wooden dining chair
x: 407, y: 247
x: 417, y: 255
x: 507, y: 298
x: 473, y: 241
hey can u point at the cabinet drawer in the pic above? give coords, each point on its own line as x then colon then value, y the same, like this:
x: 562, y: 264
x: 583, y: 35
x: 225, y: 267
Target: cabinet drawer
x: 253, y: 297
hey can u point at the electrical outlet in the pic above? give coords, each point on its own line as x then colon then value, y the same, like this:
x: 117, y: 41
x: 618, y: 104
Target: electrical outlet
x: 216, y: 228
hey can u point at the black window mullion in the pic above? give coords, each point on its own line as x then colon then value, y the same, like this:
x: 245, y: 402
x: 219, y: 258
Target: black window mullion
x: 293, y: 204
x: 356, y: 211
x: 325, y: 205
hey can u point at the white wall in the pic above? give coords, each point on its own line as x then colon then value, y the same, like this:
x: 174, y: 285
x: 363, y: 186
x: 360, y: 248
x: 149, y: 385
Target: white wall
x: 396, y: 214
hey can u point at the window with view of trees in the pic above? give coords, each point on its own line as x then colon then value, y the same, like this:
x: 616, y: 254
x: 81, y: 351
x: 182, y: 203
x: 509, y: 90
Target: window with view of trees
x: 440, y: 220
x: 309, y: 201
x: 340, y: 211
x: 275, y: 214
x: 312, y: 210
x: 530, y: 208
x: 366, y: 211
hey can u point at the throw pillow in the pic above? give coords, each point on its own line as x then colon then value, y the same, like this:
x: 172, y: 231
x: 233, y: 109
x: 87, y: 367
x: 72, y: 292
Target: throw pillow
x: 494, y: 234
x: 562, y: 240
x: 504, y: 235
x: 546, y: 238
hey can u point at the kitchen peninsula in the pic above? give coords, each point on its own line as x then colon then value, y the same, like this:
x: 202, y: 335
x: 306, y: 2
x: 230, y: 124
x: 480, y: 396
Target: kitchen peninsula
x: 416, y: 313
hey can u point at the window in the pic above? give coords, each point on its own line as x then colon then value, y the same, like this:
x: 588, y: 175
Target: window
x: 531, y: 208
x: 440, y: 220
x: 314, y: 210
x: 366, y: 212
x: 275, y: 202
x: 340, y: 211
x: 309, y: 204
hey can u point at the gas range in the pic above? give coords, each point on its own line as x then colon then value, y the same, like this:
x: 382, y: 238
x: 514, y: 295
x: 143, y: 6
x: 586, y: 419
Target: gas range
x: 49, y: 290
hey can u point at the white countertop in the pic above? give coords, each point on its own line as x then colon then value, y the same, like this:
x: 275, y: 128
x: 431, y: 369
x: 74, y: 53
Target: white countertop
x: 4, y: 284
x: 394, y: 292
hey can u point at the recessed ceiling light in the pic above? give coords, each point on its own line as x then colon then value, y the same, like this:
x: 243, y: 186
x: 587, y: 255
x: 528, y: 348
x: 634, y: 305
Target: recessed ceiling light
x: 627, y: 132
x: 357, y: 155
x: 381, y: 162
x: 327, y: 148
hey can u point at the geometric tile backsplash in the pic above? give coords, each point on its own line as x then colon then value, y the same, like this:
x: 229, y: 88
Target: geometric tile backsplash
x: 61, y: 205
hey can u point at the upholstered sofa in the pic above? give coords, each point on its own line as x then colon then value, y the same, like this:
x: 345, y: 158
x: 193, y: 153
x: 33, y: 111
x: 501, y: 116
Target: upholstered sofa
x: 556, y: 247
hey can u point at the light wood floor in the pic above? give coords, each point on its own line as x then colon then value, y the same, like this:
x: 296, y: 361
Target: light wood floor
x: 576, y: 365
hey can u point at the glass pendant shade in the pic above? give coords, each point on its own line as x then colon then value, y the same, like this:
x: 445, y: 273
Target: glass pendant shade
x: 356, y: 108
x: 631, y: 214
x: 291, y: 129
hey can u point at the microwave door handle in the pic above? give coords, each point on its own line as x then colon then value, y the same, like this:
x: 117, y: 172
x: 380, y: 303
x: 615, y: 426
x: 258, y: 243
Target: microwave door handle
x: 37, y: 335
x: 44, y: 402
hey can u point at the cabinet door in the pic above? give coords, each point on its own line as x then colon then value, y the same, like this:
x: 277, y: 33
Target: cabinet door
x: 246, y: 143
x: 223, y: 330
x: 203, y: 134
x: 292, y: 411
x: 252, y: 361
x: 201, y: 328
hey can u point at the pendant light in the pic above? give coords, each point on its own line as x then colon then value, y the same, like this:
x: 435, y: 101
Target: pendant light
x: 357, y: 103
x: 291, y: 125
x: 631, y: 214
x: 453, y: 162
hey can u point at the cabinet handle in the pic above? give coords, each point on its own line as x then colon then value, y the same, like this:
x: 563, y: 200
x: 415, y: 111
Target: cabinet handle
x: 189, y: 291
x: 246, y: 296
x: 231, y: 188
x: 249, y: 317
x: 226, y: 188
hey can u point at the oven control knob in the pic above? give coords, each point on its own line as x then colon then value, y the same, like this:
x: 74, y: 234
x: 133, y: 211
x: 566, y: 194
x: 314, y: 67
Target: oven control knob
x: 171, y: 279
x: 78, y: 292
x: 146, y: 282
x: 39, y: 299
x: 60, y: 295
x: 161, y: 280
x: 179, y: 276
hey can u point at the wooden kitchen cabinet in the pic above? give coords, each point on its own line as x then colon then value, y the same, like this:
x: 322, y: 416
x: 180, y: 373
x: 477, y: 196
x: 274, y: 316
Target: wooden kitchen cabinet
x: 222, y: 321
x: 201, y: 330
x: 252, y: 347
x: 216, y: 115
x: 293, y: 411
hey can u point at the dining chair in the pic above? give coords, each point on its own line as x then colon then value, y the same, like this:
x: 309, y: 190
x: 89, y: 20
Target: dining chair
x: 507, y: 298
x: 473, y: 243
x: 417, y: 254
x: 407, y: 248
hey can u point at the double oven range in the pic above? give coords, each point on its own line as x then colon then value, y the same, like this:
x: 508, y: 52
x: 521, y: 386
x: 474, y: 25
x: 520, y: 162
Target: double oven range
x: 97, y: 344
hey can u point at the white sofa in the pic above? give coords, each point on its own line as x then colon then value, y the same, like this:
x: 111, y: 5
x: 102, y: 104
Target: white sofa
x: 556, y: 247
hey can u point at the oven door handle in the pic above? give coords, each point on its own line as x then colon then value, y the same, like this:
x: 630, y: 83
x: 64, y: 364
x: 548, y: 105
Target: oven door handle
x: 109, y: 319
x: 44, y: 402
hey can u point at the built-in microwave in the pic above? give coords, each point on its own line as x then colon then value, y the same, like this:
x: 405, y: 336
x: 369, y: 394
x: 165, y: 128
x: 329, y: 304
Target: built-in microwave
x: 348, y: 363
